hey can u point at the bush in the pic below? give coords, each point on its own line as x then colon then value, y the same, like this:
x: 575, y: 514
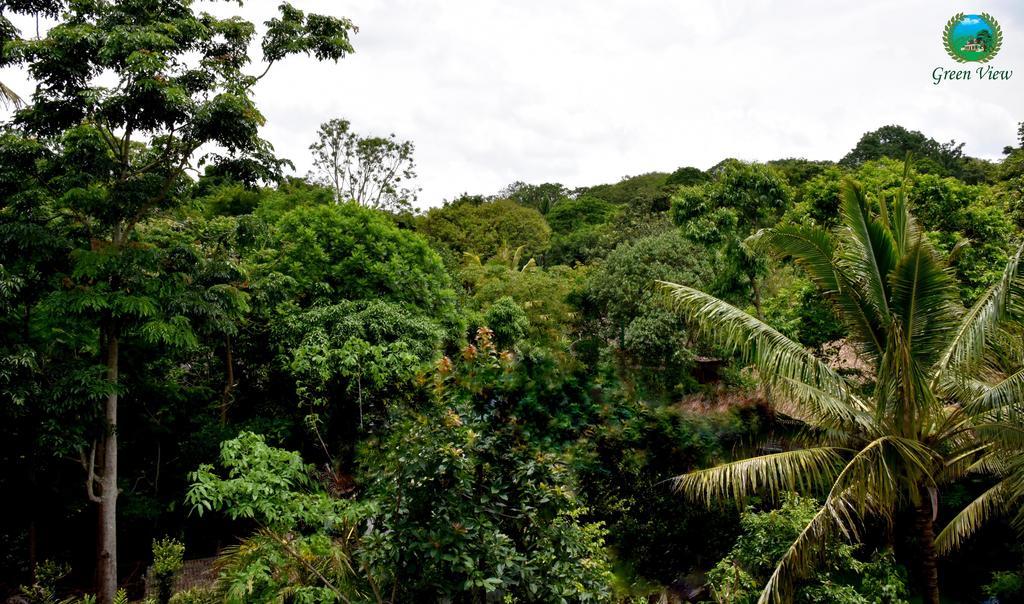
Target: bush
x: 1006, y: 586
x: 194, y: 596
x: 508, y: 321
x: 841, y: 578
x: 167, y: 561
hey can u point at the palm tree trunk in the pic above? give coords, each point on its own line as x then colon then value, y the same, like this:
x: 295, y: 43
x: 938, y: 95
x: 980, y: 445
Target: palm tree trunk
x: 926, y: 549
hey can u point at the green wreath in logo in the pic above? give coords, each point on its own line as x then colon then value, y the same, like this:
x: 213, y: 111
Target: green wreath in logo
x: 972, y: 38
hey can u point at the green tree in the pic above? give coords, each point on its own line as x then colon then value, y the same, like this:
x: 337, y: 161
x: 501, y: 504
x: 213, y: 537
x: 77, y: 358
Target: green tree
x: 842, y: 578
x: 470, y: 507
x: 508, y: 321
x: 484, y: 228
x: 347, y: 252
x: 722, y: 213
x: 542, y: 197
x: 545, y: 295
x: 126, y: 95
x: 370, y: 170
x: 304, y: 546
x: 880, y: 448
x: 630, y: 313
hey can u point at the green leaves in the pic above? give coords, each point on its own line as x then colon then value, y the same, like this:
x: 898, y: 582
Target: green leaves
x: 293, y: 32
x: 269, y: 485
x: 900, y: 301
x: 802, y: 470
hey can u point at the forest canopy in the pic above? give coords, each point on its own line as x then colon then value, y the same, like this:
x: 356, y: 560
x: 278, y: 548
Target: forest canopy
x: 785, y: 381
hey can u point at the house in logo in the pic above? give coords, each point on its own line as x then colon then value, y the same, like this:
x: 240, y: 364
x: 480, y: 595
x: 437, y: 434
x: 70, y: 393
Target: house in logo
x: 975, y: 45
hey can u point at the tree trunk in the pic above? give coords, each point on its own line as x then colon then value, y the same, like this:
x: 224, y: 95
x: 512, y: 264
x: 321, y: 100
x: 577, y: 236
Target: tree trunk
x: 755, y: 287
x: 225, y: 399
x: 926, y: 549
x: 107, y: 563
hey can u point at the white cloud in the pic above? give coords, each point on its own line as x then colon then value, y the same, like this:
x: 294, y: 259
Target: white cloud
x: 580, y: 92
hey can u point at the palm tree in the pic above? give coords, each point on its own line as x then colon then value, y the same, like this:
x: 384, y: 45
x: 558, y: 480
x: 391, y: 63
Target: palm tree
x: 877, y: 448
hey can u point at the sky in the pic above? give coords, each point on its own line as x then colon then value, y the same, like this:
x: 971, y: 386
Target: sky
x: 587, y: 92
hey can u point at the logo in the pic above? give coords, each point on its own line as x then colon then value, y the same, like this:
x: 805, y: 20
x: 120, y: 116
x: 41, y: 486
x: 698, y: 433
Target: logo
x: 972, y: 38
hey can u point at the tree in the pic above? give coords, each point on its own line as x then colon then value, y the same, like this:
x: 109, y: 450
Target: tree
x: 303, y: 548
x: 471, y: 508
x: 631, y: 314
x: 127, y: 93
x: 543, y: 197
x: 896, y: 142
x: 722, y: 213
x: 484, y: 228
x: 844, y: 579
x: 913, y: 428
x: 347, y: 252
x: 370, y: 170
x: 9, y: 33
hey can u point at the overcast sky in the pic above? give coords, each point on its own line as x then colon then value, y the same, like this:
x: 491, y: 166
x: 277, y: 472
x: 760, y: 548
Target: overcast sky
x: 584, y: 92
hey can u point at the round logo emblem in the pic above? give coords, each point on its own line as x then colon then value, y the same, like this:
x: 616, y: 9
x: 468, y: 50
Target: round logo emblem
x: 972, y: 37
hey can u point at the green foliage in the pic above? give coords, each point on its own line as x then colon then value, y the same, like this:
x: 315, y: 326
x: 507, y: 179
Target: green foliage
x: 541, y: 197
x: 799, y: 171
x: 344, y: 251
x: 269, y: 485
x: 546, y: 296
x: 363, y: 352
x: 722, y: 213
x: 483, y: 228
x: 967, y: 218
x: 470, y: 507
x: 508, y: 321
x: 623, y: 465
x: 797, y: 310
x: 622, y: 289
x: 304, y: 548
x: 194, y: 596
x: 647, y: 192
x: 686, y: 177
x: 843, y: 578
x: 167, y: 561
x: 572, y: 215
x: 46, y: 578
x: 742, y: 198
x: 899, y: 303
x: 1005, y: 586
x: 929, y: 156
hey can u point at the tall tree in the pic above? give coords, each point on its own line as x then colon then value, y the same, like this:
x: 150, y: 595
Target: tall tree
x: 914, y: 427
x: 127, y: 94
x: 370, y: 170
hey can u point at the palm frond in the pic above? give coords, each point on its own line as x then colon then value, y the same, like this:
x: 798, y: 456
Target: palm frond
x: 883, y: 471
x: 1005, y: 399
x: 814, y: 250
x: 1004, y: 436
x: 923, y: 293
x: 774, y: 355
x: 821, y: 409
x: 837, y: 517
x: 965, y: 524
x: 803, y: 470
x: 900, y: 222
x: 10, y: 98
x: 870, y: 251
x: 980, y: 324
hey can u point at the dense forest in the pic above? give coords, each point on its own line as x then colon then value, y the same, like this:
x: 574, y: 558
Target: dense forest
x: 790, y: 381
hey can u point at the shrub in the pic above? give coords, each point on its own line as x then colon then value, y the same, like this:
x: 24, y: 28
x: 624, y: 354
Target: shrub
x: 167, y: 561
